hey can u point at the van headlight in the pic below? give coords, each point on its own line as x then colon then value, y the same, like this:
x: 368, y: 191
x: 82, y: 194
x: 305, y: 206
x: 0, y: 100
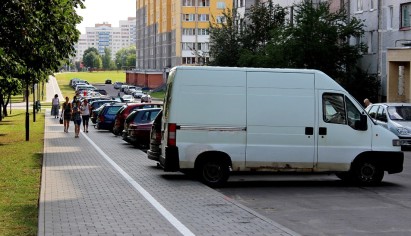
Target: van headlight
x: 403, y: 131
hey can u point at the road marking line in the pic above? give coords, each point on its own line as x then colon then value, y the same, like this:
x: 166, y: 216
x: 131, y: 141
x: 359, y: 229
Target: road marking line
x: 163, y: 211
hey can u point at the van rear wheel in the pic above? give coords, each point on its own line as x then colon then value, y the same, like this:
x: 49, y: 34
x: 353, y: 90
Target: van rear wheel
x: 214, y: 173
x: 368, y: 173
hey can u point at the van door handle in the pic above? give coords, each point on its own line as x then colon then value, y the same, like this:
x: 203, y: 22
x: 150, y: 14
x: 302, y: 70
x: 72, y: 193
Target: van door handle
x: 309, y: 130
x: 322, y: 131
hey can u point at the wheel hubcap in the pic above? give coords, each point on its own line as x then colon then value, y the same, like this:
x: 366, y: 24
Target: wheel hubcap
x: 367, y: 172
x: 212, y: 172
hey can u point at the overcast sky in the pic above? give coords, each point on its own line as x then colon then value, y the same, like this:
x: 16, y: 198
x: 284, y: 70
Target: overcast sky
x: 111, y: 11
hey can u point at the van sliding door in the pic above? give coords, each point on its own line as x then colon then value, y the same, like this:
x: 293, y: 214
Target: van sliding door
x: 280, y: 121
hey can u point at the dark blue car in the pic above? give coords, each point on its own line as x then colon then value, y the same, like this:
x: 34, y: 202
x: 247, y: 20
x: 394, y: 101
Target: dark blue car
x: 106, y: 117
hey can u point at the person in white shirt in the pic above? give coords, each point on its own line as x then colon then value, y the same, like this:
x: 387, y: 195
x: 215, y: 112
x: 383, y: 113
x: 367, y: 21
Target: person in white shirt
x: 55, y: 106
x: 367, y: 103
x: 85, y: 113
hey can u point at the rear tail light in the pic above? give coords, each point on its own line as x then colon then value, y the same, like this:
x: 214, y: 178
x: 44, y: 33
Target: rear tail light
x: 172, y: 128
x: 101, y: 118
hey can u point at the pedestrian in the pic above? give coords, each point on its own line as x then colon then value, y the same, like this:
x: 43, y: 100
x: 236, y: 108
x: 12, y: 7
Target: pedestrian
x: 66, y: 114
x: 55, y: 106
x: 367, y: 103
x: 77, y: 118
x: 85, y: 114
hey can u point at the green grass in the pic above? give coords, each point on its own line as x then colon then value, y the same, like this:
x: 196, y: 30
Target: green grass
x: 20, y: 168
x: 158, y: 95
x: 63, y: 79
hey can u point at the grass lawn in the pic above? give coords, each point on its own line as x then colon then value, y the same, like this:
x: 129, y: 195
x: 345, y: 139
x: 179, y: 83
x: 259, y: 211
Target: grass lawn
x: 20, y: 168
x: 63, y: 79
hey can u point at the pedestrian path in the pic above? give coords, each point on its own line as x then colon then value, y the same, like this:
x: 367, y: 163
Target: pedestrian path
x: 99, y: 185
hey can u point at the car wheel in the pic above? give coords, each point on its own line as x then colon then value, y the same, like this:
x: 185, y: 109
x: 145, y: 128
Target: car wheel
x: 366, y: 172
x: 214, y: 173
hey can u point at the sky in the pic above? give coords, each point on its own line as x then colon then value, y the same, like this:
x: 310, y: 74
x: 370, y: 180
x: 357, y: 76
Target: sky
x: 111, y: 11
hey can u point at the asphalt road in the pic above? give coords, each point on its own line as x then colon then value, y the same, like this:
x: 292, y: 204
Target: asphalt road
x: 324, y: 205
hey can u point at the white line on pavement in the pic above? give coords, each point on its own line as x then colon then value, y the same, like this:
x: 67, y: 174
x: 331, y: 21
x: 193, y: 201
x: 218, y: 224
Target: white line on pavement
x: 163, y: 211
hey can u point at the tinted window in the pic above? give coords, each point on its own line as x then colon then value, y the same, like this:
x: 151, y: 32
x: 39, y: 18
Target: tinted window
x: 112, y: 110
x: 381, y: 114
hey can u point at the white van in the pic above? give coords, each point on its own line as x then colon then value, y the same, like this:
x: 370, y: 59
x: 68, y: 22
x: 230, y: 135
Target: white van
x: 218, y: 120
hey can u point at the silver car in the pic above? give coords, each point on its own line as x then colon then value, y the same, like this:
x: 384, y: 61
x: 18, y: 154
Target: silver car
x: 396, y: 117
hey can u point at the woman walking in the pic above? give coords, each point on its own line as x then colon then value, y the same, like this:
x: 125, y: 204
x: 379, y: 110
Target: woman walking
x: 66, y: 114
x: 55, y: 102
x: 77, y: 118
x: 85, y: 114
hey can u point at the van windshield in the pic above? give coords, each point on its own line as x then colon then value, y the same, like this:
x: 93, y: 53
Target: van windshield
x: 402, y: 113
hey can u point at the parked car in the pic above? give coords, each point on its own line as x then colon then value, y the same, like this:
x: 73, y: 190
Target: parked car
x: 128, y: 98
x: 154, y: 151
x: 395, y: 117
x: 138, y: 94
x: 108, y: 81
x: 123, y: 87
x: 138, y: 132
x: 117, y: 85
x: 105, y: 117
x: 126, y: 110
x: 96, y: 107
x: 146, y: 98
x: 129, y: 90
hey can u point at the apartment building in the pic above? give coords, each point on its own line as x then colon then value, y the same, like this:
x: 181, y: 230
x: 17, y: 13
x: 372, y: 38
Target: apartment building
x: 388, y: 37
x: 175, y: 32
x: 103, y: 35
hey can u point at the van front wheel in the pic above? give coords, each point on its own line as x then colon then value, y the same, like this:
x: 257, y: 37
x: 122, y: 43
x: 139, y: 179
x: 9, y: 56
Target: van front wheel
x: 214, y: 173
x: 368, y: 173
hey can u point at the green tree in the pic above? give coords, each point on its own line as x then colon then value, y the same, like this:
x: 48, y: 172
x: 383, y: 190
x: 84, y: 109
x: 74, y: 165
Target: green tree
x: 8, y: 87
x: 90, y: 57
x: 126, y: 57
x: 106, y: 59
x: 224, y: 41
x: 34, y: 37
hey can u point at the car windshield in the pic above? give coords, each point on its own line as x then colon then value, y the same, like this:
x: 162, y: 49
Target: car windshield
x: 400, y: 113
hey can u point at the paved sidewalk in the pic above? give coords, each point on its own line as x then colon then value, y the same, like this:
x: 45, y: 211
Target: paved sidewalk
x: 99, y: 185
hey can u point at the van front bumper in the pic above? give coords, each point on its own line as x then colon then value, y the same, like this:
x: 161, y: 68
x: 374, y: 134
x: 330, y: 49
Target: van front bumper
x: 170, y: 160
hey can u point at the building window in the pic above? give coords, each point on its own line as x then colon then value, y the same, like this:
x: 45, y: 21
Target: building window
x: 221, y: 5
x: 189, y: 60
x: 203, y: 31
x: 372, y: 7
x: 369, y: 42
x: 188, y: 3
x: 241, y: 3
x: 204, y: 3
x: 220, y: 19
x: 390, y: 17
x: 359, y: 5
x: 203, y: 17
x: 405, y: 15
x: 188, y: 17
x: 188, y: 31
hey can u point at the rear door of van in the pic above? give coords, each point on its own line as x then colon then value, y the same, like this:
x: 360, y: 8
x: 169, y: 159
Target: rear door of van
x: 280, y: 121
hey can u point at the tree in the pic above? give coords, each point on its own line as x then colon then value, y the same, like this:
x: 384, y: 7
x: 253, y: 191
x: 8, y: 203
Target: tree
x: 224, y: 41
x: 90, y: 57
x: 106, y: 59
x: 126, y: 57
x: 8, y: 87
x: 34, y: 37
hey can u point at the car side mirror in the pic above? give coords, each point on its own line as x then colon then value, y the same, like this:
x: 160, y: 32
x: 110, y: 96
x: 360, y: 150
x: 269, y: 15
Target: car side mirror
x: 362, y: 123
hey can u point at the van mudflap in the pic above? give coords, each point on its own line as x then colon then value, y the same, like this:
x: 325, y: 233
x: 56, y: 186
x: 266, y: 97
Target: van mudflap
x: 171, y: 160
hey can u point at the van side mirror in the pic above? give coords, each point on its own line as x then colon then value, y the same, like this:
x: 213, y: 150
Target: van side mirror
x: 362, y: 123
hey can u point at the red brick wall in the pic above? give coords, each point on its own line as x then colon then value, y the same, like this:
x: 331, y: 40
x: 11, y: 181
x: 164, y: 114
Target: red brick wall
x: 144, y: 80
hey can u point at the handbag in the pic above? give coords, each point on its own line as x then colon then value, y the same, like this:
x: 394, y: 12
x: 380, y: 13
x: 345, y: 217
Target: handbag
x: 61, y: 120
